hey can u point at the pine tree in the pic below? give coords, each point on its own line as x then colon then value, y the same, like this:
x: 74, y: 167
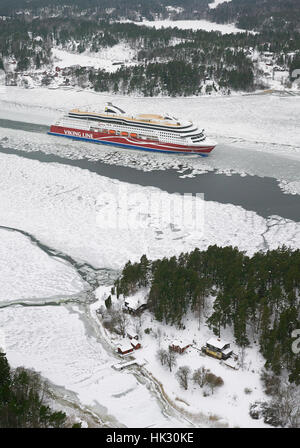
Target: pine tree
x: 5, y: 379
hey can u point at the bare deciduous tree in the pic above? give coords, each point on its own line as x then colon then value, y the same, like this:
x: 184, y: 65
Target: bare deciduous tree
x: 162, y: 356
x: 183, y: 376
x: 159, y: 335
x: 121, y: 322
x: 138, y: 325
x: 199, y: 376
x: 170, y: 359
x: 242, y: 357
x: 288, y: 408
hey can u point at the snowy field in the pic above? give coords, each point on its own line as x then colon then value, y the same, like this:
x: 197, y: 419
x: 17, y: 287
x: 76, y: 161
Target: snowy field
x: 28, y: 274
x: 224, y: 28
x: 105, y: 59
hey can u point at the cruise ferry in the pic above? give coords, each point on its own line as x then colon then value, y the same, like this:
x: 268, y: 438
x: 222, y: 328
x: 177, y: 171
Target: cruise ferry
x: 148, y: 132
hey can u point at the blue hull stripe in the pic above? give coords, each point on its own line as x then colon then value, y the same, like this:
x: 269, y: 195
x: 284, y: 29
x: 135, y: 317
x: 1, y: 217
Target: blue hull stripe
x: 122, y: 145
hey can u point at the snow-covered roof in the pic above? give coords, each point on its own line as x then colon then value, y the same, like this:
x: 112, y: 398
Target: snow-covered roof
x: 131, y: 302
x: 227, y: 351
x: 217, y: 342
x: 125, y: 346
x: 180, y: 344
x: 135, y: 301
x: 122, y: 365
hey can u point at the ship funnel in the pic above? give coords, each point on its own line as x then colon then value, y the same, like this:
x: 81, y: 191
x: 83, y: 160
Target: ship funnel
x: 111, y: 109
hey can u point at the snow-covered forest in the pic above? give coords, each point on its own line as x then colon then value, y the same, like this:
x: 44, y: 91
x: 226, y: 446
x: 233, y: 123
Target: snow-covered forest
x: 110, y: 56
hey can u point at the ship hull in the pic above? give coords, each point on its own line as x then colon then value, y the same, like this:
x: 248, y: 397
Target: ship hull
x: 129, y: 142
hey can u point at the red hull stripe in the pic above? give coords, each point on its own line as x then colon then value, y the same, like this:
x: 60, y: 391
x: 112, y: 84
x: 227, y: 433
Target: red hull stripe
x: 129, y: 142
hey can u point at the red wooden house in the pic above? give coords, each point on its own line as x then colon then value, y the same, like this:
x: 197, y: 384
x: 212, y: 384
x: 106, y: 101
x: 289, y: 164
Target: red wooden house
x: 179, y: 346
x: 125, y: 348
x: 135, y: 344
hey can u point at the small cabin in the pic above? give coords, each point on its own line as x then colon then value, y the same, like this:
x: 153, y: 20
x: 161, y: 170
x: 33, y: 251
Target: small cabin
x: 135, y: 344
x: 179, y: 346
x: 125, y: 349
x: 218, y: 348
x: 134, y: 306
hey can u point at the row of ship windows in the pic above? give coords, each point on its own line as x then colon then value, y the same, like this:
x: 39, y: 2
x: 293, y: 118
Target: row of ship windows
x: 133, y: 134
x: 133, y: 131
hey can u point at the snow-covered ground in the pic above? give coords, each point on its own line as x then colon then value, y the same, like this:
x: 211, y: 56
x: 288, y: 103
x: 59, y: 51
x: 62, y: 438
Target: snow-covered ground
x: 27, y: 273
x: 274, y: 76
x: 224, y: 28
x: 105, y: 59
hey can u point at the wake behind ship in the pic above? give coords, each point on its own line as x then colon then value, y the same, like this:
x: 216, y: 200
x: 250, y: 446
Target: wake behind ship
x: 148, y: 132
